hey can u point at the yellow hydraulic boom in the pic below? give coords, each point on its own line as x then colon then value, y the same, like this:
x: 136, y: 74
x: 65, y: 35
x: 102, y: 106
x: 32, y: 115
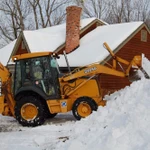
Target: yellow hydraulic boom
x: 97, y: 68
x: 94, y: 69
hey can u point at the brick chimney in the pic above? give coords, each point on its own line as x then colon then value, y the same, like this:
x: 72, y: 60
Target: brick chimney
x: 72, y: 28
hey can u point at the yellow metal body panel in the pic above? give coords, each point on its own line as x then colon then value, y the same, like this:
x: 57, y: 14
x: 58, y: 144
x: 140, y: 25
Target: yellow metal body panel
x: 2, y: 104
x: 57, y: 106
x: 4, y: 73
x: 4, y: 107
x: 31, y: 55
x: 5, y: 92
x: 89, y: 89
x: 92, y: 70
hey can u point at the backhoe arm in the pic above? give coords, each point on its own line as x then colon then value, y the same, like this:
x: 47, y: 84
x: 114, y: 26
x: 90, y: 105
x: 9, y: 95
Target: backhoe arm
x: 97, y: 68
x: 6, y: 98
x: 92, y: 70
x: 133, y: 66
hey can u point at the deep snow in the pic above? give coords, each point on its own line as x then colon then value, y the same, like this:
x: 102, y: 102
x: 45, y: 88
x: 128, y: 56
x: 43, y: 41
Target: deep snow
x: 122, y: 125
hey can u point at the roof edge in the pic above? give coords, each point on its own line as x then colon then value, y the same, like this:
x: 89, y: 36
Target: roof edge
x: 25, y: 42
x: 125, y: 41
x: 15, y: 46
x: 18, y: 42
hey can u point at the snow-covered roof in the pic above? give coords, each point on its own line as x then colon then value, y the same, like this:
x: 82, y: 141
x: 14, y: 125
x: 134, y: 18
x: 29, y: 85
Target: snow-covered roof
x: 91, y: 45
x: 5, y: 53
x: 49, y: 39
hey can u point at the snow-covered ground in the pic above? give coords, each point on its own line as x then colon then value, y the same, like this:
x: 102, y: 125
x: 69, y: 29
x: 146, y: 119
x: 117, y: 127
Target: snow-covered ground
x: 123, y: 124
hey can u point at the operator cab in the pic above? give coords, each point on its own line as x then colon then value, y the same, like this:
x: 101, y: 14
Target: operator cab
x: 39, y: 74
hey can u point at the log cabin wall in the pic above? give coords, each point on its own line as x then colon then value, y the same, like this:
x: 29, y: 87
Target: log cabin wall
x: 21, y: 50
x: 137, y: 45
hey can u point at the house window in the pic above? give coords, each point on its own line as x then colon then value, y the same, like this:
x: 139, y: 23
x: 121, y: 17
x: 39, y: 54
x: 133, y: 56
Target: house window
x: 143, y: 35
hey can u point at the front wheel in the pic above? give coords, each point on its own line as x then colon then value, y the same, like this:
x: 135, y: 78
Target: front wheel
x: 83, y: 107
x: 29, y: 111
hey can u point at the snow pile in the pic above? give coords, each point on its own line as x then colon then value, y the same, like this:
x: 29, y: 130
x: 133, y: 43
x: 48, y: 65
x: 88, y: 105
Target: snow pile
x: 123, y: 124
x: 146, y: 65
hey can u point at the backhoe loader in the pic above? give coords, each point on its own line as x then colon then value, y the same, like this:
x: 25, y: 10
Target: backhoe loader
x: 40, y: 91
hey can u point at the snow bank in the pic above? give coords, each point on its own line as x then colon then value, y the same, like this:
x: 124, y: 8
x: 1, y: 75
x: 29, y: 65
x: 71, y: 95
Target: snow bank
x: 146, y: 65
x: 123, y: 124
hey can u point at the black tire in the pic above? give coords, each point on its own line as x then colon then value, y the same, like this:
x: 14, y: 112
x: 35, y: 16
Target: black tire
x: 49, y: 115
x: 83, y: 100
x: 33, y: 105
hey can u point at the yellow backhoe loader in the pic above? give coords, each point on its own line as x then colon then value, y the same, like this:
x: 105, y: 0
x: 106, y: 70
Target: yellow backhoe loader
x: 40, y: 91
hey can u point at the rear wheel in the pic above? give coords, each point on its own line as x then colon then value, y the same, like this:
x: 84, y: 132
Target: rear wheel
x: 83, y: 107
x: 29, y: 111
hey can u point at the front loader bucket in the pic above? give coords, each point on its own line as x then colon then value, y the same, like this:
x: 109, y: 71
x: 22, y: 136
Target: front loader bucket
x: 134, y: 74
x: 1, y: 104
x: 137, y: 73
x: 135, y: 69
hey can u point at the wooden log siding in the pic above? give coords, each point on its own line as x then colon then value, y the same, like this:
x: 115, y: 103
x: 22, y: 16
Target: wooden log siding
x: 21, y: 50
x: 133, y: 47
